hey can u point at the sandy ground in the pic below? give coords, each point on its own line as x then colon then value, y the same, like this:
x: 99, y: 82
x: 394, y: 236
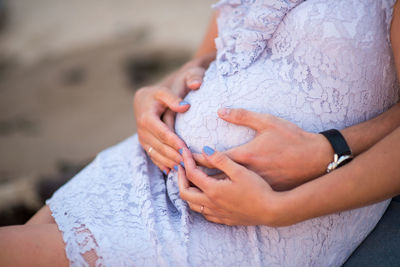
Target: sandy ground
x: 68, y: 72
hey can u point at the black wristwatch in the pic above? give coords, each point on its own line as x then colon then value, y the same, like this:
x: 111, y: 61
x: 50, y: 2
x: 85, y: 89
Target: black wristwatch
x: 342, y: 150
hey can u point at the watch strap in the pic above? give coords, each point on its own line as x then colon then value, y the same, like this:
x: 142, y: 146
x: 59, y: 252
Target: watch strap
x: 338, y: 142
x: 342, y: 150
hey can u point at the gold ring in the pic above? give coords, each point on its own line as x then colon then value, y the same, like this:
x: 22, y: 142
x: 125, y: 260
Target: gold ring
x: 201, y: 209
x: 149, y: 150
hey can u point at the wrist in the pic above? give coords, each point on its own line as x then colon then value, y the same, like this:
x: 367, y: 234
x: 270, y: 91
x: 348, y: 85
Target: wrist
x: 291, y: 207
x: 206, y: 59
x: 326, y: 153
x: 200, y: 61
x: 276, y: 209
x: 322, y: 154
x: 168, y: 80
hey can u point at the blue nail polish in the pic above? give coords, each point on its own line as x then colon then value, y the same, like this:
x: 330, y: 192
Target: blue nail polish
x: 176, y: 167
x: 165, y: 172
x: 183, y: 103
x: 180, y: 151
x: 208, y: 150
x: 182, y: 164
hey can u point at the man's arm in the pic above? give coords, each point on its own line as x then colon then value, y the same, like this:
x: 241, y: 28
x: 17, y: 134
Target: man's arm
x: 371, y: 177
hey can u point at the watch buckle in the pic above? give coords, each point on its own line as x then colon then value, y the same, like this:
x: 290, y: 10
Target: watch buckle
x: 337, y: 161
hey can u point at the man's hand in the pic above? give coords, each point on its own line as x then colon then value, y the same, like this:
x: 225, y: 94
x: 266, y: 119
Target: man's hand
x: 282, y: 153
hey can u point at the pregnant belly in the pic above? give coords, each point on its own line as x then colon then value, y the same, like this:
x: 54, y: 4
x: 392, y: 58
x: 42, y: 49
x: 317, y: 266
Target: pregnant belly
x: 201, y: 126
x: 315, y: 101
x: 258, y: 88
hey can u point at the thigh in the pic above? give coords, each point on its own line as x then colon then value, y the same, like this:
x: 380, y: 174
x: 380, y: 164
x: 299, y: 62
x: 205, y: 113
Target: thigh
x: 32, y: 245
x: 43, y: 216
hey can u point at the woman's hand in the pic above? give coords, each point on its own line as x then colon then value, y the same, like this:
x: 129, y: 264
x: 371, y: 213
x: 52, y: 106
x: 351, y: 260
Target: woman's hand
x: 158, y: 137
x: 237, y: 197
x: 190, y: 78
x: 241, y: 197
x: 282, y: 153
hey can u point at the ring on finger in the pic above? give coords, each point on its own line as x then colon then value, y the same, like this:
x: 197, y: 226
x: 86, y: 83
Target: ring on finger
x: 149, y: 151
x: 202, y: 209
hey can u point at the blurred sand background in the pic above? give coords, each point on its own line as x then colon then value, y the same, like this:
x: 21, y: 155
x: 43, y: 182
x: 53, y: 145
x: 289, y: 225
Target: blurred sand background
x: 68, y: 72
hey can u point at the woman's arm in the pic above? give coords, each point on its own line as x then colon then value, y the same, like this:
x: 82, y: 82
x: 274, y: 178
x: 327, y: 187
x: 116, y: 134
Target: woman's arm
x: 208, y: 45
x: 242, y: 197
x: 280, y: 151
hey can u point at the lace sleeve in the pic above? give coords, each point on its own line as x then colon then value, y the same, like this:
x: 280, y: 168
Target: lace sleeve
x: 249, y: 30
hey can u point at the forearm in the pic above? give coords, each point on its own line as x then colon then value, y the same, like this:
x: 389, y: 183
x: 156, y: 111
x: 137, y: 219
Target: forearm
x: 364, y: 135
x: 359, y: 137
x: 208, y: 44
x: 371, y: 177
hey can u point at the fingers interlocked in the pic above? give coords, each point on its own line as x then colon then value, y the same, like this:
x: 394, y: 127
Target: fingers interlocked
x: 200, y: 198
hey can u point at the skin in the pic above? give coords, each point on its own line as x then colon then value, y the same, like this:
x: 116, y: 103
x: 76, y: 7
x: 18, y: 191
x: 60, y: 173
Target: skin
x: 39, y: 242
x: 21, y: 245
x: 286, y: 156
x: 155, y: 106
x: 151, y: 104
x: 281, y: 151
x: 284, y: 163
x: 242, y: 197
x: 372, y: 176
x: 223, y: 196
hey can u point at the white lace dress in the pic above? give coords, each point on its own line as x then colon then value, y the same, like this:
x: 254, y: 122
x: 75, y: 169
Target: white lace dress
x: 318, y: 63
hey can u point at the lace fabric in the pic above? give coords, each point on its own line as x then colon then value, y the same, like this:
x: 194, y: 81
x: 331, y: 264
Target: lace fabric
x: 244, y: 33
x: 320, y: 64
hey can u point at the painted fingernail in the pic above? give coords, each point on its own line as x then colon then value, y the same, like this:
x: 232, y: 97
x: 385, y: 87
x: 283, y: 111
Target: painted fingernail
x: 176, y: 167
x: 224, y: 112
x: 208, y: 150
x: 180, y: 151
x: 183, y: 103
x: 194, y: 82
x: 182, y: 164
